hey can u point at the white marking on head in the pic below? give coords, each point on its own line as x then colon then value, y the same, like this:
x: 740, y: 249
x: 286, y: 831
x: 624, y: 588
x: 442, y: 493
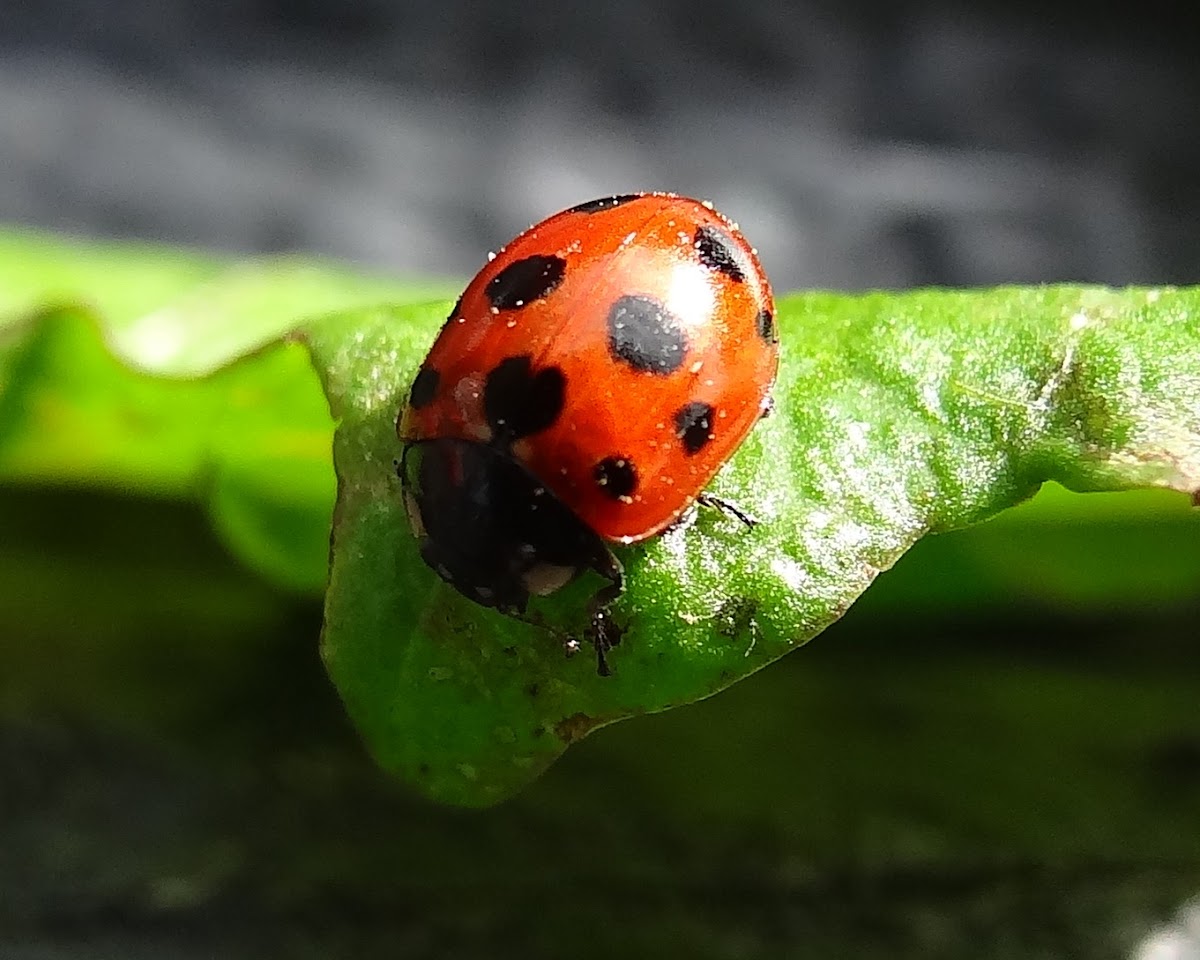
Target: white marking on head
x: 545, y: 578
x: 415, y: 520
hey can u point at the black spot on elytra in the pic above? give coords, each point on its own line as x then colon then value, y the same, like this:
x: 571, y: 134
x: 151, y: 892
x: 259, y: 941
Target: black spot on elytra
x: 694, y: 425
x: 765, y: 323
x: 518, y: 402
x: 525, y: 281
x: 604, y: 203
x: 643, y: 333
x: 424, y: 388
x: 616, y: 477
x: 718, y: 252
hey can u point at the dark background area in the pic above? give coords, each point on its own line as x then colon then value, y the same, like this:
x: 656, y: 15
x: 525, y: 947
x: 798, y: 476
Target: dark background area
x: 177, y: 779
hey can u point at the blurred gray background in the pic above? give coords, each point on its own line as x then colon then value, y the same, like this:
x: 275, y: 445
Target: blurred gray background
x: 859, y: 144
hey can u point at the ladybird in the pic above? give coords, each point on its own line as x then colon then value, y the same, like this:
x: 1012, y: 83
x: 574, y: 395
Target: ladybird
x: 587, y: 385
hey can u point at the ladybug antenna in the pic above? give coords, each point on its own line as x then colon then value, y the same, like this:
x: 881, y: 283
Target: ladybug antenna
x: 603, y: 635
x: 570, y: 644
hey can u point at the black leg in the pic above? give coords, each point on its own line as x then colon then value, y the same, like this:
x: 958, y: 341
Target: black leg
x: 603, y: 632
x: 725, y: 506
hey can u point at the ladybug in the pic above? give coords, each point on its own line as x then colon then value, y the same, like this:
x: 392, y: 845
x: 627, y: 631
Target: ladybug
x: 588, y: 384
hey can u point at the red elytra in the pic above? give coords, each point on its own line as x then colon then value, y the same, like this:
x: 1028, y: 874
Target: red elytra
x: 602, y: 367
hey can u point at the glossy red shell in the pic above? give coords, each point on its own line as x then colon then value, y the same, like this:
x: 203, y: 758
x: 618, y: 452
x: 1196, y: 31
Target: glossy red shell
x: 618, y: 412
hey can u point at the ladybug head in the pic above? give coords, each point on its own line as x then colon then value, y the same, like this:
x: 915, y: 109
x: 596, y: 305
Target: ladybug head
x: 489, y: 528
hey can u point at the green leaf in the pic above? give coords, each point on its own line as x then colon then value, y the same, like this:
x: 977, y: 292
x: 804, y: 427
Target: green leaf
x: 896, y: 415
x: 149, y: 371
x: 252, y: 441
x: 141, y: 369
